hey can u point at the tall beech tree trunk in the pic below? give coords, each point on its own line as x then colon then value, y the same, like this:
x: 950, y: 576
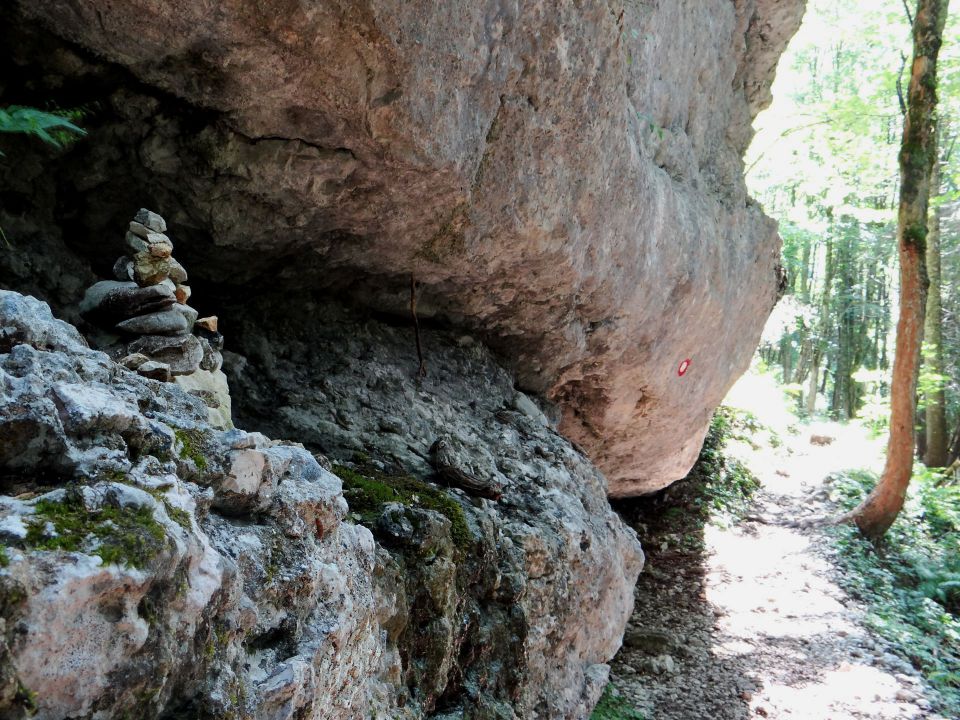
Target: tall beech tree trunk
x: 820, y: 341
x: 917, y: 152
x: 935, y: 454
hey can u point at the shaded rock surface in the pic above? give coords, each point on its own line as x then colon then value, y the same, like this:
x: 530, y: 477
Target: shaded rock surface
x: 565, y: 177
x: 540, y: 561
x: 154, y: 566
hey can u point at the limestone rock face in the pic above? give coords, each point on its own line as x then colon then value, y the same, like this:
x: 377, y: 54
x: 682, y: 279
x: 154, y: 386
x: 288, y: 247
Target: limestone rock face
x: 154, y: 566
x: 541, y: 560
x: 564, y: 176
x: 125, y: 592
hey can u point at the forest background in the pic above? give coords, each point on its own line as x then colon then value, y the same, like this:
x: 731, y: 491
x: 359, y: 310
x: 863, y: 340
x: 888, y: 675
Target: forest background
x: 824, y: 164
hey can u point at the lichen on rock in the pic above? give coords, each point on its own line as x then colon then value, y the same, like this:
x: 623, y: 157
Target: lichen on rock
x: 156, y: 566
x: 123, y: 593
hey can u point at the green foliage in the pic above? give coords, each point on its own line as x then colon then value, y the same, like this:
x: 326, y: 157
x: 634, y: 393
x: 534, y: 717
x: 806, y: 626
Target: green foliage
x: 912, y: 587
x: 190, y: 443
x: 26, y: 699
x: 367, y: 490
x: 929, y: 381
x: 875, y: 411
x: 614, y: 707
x: 717, y: 489
x: 726, y: 484
x: 122, y: 535
x: 824, y: 163
x: 54, y: 128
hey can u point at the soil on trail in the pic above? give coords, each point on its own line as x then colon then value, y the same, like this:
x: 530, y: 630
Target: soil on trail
x: 746, y: 619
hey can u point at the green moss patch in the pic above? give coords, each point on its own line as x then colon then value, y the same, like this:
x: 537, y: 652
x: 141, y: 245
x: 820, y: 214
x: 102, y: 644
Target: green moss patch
x: 614, y: 707
x: 179, y: 516
x: 367, y: 490
x: 190, y: 443
x: 126, y: 535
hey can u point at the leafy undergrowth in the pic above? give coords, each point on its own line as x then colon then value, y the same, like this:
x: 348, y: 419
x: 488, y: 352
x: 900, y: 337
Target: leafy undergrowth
x: 911, y: 584
x: 717, y: 490
x: 614, y: 707
x: 725, y: 484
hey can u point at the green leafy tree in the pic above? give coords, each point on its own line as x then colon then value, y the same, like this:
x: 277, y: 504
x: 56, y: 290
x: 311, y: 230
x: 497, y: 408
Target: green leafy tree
x: 54, y: 128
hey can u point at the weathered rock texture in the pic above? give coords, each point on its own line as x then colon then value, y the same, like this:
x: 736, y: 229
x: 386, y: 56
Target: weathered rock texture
x: 564, y: 176
x: 153, y: 566
x: 549, y: 552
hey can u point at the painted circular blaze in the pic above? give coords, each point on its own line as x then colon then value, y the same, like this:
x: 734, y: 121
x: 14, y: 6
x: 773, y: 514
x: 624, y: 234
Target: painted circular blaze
x: 684, y: 366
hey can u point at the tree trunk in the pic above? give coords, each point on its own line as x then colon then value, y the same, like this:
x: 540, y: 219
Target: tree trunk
x: 804, y: 276
x: 918, y: 149
x: 812, y: 387
x: 954, y: 452
x: 935, y: 454
x: 823, y: 327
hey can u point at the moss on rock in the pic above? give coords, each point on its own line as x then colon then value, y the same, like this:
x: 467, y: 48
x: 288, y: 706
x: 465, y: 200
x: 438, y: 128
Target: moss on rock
x: 190, y: 443
x: 128, y: 536
x: 367, y: 490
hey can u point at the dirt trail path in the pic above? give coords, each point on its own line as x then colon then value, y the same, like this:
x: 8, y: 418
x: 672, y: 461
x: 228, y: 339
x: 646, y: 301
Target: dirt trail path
x: 751, y: 622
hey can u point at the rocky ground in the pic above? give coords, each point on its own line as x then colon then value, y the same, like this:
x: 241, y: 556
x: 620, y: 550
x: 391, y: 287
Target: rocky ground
x: 746, y: 618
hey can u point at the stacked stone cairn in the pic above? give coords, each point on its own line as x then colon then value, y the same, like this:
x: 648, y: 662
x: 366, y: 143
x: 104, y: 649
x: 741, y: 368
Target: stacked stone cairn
x: 150, y: 328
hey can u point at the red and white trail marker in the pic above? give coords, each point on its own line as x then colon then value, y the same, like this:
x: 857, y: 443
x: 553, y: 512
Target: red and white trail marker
x: 684, y: 366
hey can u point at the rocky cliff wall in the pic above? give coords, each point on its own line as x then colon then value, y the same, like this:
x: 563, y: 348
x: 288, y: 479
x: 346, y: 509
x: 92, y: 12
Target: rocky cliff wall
x: 153, y: 566
x: 563, y: 178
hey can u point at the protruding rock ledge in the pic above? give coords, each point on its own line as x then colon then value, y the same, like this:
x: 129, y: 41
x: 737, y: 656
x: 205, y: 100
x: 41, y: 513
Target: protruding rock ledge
x: 563, y: 177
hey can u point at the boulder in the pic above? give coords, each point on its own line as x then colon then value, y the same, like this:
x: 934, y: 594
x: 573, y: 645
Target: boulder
x: 155, y: 371
x: 133, y: 361
x: 159, y: 567
x: 150, y: 220
x: 161, y: 249
x: 129, y: 596
x: 348, y: 386
x: 166, y: 322
x: 176, y: 272
x: 139, y: 229
x: 211, y: 386
x: 563, y: 178
x: 150, y: 270
x: 123, y: 268
x: 135, y: 243
x: 212, y: 359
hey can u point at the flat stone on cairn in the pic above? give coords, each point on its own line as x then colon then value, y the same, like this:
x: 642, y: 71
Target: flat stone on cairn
x: 147, y: 304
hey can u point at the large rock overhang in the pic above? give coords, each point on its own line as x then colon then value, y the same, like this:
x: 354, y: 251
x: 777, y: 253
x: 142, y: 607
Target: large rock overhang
x: 563, y: 177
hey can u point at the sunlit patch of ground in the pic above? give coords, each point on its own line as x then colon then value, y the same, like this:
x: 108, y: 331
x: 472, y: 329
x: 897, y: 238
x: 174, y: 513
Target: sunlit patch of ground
x: 768, y: 631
